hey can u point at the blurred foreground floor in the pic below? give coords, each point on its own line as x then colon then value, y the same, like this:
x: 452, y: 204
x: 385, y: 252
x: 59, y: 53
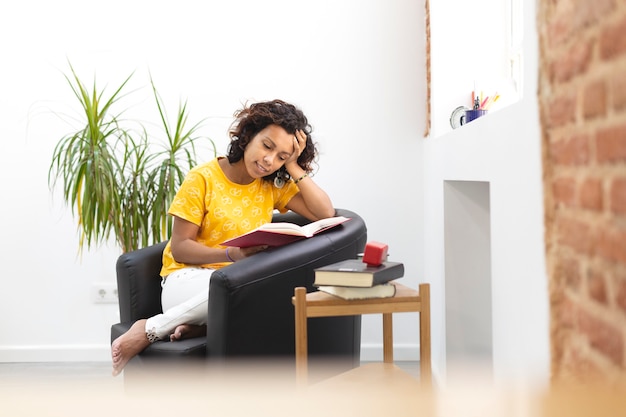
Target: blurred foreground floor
x: 270, y: 389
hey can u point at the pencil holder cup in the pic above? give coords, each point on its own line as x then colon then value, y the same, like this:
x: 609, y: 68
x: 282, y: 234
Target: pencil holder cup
x: 472, y: 114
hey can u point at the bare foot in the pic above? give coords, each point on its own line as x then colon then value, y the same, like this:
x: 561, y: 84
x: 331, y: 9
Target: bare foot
x: 187, y: 331
x: 125, y: 347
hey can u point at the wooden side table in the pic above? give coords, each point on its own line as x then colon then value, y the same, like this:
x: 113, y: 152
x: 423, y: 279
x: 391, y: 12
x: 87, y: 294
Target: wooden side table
x: 320, y: 304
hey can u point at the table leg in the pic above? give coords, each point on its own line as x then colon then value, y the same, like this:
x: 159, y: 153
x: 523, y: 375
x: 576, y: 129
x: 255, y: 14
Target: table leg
x: 301, y: 335
x: 387, y: 338
x: 425, y: 356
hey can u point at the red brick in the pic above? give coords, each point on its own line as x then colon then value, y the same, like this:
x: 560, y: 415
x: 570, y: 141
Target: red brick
x: 591, y: 194
x: 596, y: 284
x: 610, y: 244
x: 611, y: 144
x: 572, y: 151
x: 576, y: 234
x: 618, y: 196
x: 588, y: 13
x: 585, y: 42
x: 580, y: 366
x: 566, y: 18
x: 567, y: 273
x: 618, y: 90
x: 620, y: 293
x: 571, y: 272
x: 595, y: 100
x: 565, y: 314
x: 559, y: 26
x: 573, y: 62
x: 602, y: 336
x: 564, y: 190
x: 562, y: 110
x: 613, y: 41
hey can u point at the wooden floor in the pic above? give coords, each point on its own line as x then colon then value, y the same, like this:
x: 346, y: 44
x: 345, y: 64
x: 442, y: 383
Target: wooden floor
x: 260, y: 389
x: 87, y: 388
x: 98, y: 371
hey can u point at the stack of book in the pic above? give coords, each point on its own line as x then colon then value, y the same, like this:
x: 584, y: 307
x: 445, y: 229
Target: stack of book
x: 353, y: 279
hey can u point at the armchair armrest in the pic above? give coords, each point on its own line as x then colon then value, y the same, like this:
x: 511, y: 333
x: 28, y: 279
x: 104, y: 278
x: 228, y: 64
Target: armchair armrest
x: 250, y: 310
x: 139, y: 283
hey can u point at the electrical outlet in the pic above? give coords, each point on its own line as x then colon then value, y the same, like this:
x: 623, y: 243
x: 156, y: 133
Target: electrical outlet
x: 104, y: 293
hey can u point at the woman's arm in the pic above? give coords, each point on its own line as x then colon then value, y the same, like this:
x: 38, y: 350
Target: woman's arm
x: 311, y: 202
x: 186, y: 249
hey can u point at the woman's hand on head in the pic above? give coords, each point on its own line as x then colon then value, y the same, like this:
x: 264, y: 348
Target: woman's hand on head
x: 299, y: 144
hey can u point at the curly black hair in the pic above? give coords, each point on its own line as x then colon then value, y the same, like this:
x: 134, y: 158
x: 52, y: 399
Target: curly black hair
x: 250, y: 120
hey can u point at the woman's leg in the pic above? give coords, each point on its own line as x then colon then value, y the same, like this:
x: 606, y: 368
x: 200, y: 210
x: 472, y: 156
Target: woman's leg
x: 185, y: 303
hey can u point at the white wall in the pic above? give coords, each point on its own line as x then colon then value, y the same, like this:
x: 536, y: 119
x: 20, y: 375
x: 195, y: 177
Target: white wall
x: 356, y: 67
x: 503, y: 149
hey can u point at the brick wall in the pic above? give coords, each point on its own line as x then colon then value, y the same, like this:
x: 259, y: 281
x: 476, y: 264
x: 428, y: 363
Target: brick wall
x: 582, y: 100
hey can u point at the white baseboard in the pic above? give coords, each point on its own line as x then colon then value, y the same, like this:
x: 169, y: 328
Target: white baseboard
x: 55, y: 353
x: 371, y: 352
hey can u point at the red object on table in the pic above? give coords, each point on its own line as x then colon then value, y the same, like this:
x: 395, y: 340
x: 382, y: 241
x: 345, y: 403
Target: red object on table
x: 375, y: 253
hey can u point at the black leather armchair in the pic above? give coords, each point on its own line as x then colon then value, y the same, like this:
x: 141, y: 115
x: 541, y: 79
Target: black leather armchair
x: 250, y: 311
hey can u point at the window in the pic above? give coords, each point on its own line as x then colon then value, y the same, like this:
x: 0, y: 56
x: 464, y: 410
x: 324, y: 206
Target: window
x: 474, y: 46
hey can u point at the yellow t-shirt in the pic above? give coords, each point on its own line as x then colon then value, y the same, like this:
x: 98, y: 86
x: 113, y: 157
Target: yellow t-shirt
x: 222, y: 208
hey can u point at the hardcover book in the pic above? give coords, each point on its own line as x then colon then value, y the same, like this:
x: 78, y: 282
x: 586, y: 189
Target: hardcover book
x: 360, y: 293
x: 356, y: 273
x: 279, y: 234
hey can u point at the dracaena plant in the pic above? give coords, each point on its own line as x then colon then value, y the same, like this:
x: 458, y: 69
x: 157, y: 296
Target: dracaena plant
x: 116, y: 178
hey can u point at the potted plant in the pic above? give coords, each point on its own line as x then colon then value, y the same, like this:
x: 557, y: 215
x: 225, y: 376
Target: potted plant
x: 116, y: 178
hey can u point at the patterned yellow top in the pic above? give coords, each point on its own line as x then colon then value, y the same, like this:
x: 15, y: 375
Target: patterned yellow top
x: 222, y: 208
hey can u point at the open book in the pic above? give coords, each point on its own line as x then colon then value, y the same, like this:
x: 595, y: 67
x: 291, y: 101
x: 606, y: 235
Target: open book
x: 278, y: 234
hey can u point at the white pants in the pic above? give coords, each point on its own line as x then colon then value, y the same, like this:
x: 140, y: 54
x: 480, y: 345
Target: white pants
x: 184, y: 300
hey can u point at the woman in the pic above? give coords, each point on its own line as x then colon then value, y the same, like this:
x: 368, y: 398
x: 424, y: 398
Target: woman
x: 267, y: 168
